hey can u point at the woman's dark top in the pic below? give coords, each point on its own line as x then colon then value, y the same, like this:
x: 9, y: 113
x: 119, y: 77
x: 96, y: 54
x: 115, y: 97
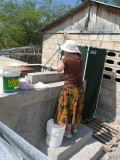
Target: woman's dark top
x: 73, y: 70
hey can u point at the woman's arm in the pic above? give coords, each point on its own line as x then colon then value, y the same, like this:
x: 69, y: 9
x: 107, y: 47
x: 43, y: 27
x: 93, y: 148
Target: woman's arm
x: 60, y: 66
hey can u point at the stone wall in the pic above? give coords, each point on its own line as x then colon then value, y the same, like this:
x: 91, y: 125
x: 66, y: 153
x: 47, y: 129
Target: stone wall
x: 28, y: 58
x: 109, y: 103
x: 51, y: 43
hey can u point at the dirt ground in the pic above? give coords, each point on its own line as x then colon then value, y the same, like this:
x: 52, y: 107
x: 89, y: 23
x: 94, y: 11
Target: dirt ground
x: 113, y: 155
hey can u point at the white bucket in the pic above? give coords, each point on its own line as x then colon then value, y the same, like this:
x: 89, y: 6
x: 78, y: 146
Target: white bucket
x: 54, y: 134
x: 9, y: 78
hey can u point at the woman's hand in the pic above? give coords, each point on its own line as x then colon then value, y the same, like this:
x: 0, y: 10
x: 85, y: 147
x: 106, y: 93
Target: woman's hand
x: 63, y: 57
x: 60, y: 66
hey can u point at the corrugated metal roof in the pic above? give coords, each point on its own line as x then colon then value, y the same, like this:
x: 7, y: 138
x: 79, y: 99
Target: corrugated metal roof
x: 106, y: 4
x: 14, y: 147
x: 72, y: 12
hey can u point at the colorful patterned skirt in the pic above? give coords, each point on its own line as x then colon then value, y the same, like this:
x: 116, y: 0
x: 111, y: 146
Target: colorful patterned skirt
x: 69, y: 105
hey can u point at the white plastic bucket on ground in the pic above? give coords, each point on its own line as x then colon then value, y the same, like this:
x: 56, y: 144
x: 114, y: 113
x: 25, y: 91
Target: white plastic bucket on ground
x: 9, y: 78
x: 54, y: 134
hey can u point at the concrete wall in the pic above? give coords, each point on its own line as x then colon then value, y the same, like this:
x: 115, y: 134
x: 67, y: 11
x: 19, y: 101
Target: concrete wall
x: 109, y: 103
x: 28, y: 111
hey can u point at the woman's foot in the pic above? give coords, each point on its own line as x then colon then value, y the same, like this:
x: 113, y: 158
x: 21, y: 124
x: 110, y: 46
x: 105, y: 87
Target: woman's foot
x: 74, y: 130
x: 68, y: 134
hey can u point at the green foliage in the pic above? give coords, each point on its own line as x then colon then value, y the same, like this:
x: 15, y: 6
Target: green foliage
x: 20, y: 20
x: 117, y: 2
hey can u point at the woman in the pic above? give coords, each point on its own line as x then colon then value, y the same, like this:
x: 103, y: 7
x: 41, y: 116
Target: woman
x: 70, y: 102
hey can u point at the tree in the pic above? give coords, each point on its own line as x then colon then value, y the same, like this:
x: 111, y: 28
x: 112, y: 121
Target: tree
x: 117, y: 2
x: 24, y: 18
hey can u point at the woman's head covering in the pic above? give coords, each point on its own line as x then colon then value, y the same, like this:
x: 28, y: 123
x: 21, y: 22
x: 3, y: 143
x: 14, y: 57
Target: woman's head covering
x: 70, y: 46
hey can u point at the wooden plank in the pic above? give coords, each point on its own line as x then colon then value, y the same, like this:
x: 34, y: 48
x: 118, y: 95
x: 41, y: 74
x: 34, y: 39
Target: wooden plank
x: 98, y: 132
x: 112, y: 142
x: 107, y: 126
x: 85, y: 14
x: 107, y: 148
x: 104, y: 133
x: 104, y: 129
x: 102, y: 140
x: 112, y: 21
x: 103, y: 23
x: 79, y: 23
x: 107, y: 131
x: 79, y: 20
x: 116, y: 25
x: 67, y: 25
x: 104, y: 20
x: 75, y: 21
x: 117, y: 21
x: 92, y: 18
x: 98, y: 26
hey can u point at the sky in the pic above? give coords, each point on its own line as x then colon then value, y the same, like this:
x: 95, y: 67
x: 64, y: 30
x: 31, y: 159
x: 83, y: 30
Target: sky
x: 73, y: 2
x: 69, y: 2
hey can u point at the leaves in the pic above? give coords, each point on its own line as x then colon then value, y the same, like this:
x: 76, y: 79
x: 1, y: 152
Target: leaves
x: 18, y: 21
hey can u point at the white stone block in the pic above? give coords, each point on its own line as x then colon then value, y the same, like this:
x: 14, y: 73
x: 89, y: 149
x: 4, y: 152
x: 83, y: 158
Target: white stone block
x: 44, y: 60
x: 55, y: 41
x: 106, y: 38
x: 100, y: 37
x: 57, y: 47
x: 93, y: 37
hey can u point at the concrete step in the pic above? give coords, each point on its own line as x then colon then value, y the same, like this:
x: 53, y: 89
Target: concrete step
x: 91, y: 150
x: 68, y: 146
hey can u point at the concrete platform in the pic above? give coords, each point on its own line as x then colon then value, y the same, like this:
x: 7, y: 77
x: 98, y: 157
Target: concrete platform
x: 68, y: 146
x: 91, y: 150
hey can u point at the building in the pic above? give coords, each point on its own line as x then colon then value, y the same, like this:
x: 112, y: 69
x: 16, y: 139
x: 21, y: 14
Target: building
x: 96, y: 24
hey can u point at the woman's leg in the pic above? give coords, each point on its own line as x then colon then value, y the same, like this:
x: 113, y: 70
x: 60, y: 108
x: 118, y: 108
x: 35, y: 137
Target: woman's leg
x: 68, y: 131
x: 74, y: 128
x: 68, y: 127
x: 75, y: 125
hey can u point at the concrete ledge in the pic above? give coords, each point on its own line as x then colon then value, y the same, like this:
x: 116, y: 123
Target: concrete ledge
x: 68, y: 146
x: 21, y: 148
x: 45, y: 77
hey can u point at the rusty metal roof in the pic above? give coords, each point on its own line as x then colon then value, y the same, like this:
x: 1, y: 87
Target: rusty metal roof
x: 73, y: 12
x: 26, y: 68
